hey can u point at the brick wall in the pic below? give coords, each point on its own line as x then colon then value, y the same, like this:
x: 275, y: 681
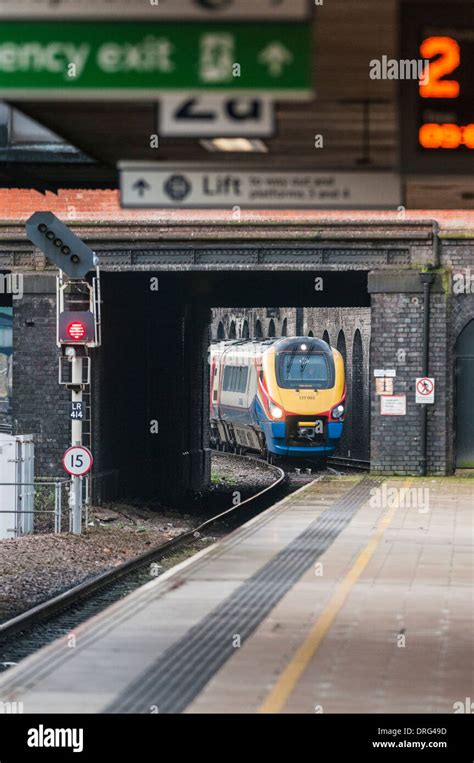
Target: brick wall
x: 39, y: 404
x: 85, y: 204
x: 397, y: 326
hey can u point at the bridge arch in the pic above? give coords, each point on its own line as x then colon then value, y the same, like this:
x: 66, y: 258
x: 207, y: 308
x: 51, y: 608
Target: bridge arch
x: 357, y: 412
x: 341, y: 346
x: 463, y: 410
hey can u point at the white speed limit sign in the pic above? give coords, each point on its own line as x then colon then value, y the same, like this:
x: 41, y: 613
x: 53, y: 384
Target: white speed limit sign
x: 77, y: 460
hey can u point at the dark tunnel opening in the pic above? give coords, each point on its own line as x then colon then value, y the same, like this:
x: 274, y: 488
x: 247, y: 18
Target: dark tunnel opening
x: 151, y: 374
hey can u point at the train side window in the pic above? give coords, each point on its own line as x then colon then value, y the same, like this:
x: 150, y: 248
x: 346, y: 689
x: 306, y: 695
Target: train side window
x: 243, y: 378
x: 235, y: 379
x: 227, y: 378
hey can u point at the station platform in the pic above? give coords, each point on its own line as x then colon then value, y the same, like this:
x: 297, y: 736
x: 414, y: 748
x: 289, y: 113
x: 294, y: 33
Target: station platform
x: 351, y: 595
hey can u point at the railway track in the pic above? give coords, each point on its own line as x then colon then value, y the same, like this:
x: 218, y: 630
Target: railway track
x: 342, y: 461
x: 349, y: 463
x: 24, y: 634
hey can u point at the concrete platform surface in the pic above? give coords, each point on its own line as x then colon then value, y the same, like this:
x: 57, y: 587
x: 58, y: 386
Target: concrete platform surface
x: 350, y: 595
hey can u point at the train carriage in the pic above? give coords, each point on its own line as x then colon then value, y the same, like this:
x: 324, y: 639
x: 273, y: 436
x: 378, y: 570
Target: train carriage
x: 284, y: 397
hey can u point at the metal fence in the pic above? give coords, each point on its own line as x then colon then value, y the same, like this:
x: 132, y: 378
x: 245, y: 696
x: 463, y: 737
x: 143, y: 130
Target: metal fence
x: 51, y: 512
x: 50, y: 508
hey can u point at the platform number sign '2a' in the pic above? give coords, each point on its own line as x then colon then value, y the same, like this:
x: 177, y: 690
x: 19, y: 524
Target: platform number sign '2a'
x: 77, y: 461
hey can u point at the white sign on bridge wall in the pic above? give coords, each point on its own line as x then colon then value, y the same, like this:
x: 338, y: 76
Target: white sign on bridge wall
x: 393, y: 405
x: 146, y: 184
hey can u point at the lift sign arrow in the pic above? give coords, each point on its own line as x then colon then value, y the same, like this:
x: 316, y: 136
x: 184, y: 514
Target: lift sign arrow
x: 141, y: 186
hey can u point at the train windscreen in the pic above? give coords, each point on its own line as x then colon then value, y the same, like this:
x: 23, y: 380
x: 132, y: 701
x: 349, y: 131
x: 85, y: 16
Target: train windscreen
x: 303, y: 369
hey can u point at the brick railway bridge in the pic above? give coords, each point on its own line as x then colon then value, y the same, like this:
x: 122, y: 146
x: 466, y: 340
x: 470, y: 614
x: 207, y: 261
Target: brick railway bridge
x: 152, y: 365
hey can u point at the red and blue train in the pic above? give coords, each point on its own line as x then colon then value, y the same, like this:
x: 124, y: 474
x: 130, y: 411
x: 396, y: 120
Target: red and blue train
x: 281, y: 397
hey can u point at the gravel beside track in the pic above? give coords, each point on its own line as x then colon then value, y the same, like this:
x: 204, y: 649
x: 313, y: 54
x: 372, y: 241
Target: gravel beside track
x: 35, y: 568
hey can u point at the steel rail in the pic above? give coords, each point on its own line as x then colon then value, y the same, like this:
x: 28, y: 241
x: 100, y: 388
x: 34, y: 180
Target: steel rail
x: 59, y: 603
x: 349, y: 463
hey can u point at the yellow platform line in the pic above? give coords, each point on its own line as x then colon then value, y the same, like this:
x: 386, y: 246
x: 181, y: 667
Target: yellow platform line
x: 287, y: 681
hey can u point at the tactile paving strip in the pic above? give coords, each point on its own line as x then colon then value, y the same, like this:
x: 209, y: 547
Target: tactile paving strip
x: 181, y: 672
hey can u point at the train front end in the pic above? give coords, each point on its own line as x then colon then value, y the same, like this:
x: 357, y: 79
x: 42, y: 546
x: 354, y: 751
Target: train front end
x: 301, y: 397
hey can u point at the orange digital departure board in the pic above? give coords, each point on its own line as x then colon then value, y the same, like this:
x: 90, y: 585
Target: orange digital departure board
x: 437, y: 112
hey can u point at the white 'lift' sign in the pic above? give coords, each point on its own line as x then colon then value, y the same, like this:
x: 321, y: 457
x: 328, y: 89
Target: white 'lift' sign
x: 193, y: 186
x: 216, y: 116
x: 77, y: 461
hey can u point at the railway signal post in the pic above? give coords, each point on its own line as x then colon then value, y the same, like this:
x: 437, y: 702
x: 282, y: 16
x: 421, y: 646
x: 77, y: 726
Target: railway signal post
x: 78, y: 330
x: 76, y: 438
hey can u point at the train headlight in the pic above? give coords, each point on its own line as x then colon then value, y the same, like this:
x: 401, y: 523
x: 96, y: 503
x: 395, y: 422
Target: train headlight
x: 275, y: 411
x: 337, y: 412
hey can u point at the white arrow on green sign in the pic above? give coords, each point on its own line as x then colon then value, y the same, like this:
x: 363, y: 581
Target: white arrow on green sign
x: 135, y: 60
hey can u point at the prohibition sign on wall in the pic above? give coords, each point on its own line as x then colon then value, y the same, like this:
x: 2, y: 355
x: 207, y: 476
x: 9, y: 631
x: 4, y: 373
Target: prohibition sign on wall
x: 425, y: 389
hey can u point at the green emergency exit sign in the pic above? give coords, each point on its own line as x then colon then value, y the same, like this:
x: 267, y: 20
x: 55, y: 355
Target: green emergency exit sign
x: 109, y: 60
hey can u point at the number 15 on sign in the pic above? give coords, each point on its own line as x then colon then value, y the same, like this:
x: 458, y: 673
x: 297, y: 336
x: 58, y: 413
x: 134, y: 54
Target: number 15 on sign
x: 77, y: 460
